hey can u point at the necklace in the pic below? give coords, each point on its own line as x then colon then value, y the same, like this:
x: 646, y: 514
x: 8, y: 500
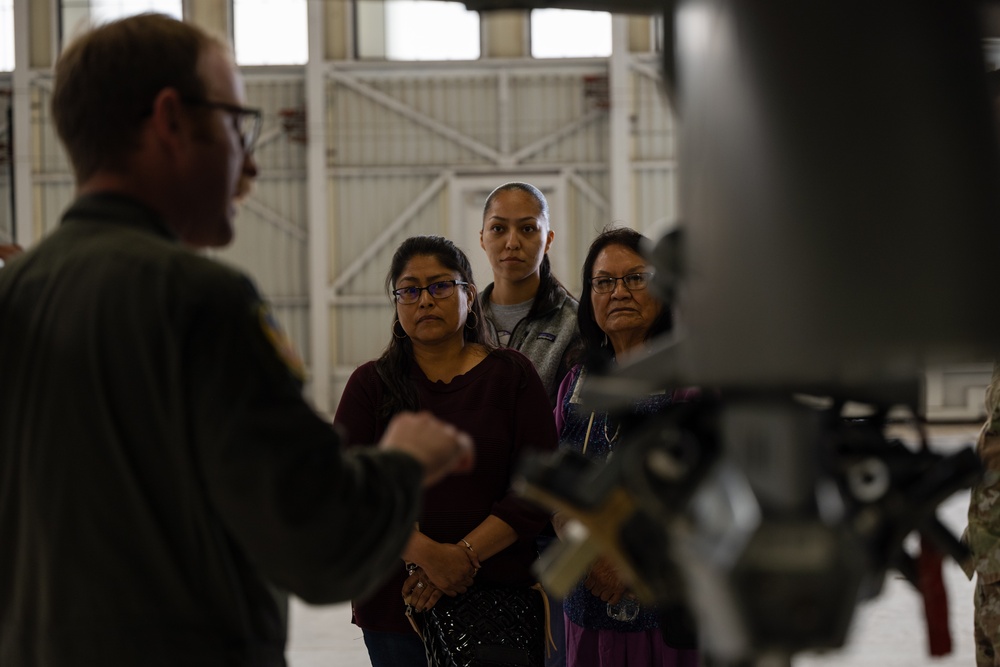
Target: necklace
x: 590, y: 424
x: 613, y: 437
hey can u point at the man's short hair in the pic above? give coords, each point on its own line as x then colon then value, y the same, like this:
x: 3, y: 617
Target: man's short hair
x: 107, y: 79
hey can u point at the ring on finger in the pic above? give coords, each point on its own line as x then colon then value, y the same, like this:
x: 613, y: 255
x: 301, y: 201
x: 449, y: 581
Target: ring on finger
x: 420, y: 584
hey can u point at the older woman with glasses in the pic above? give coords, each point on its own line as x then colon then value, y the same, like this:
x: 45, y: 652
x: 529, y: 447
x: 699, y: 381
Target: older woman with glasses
x: 605, y: 625
x: 439, y: 359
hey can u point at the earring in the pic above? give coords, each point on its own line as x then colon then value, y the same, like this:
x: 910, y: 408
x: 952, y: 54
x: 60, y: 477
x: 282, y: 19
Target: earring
x: 472, y: 326
x: 394, y: 334
x: 604, y: 343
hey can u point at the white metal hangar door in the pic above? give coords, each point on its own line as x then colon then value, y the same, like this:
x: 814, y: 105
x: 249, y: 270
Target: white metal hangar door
x: 413, y: 151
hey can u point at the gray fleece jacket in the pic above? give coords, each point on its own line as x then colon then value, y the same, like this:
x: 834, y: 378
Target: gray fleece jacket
x: 548, y: 335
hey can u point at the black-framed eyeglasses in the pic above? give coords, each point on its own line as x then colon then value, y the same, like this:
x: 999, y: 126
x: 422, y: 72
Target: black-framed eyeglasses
x: 633, y: 282
x: 442, y: 289
x: 248, y: 121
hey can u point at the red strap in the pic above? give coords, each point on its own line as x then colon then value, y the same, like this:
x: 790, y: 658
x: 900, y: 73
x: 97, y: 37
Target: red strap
x: 935, y: 598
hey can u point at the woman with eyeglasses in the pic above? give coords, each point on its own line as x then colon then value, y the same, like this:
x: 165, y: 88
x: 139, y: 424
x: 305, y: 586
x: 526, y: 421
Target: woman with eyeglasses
x: 472, y: 528
x: 605, y: 625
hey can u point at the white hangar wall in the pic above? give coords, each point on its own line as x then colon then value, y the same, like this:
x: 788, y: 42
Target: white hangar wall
x: 415, y: 149
x: 390, y: 150
x: 357, y: 155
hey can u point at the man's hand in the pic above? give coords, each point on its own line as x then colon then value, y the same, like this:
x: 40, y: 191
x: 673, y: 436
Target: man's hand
x: 8, y: 251
x: 441, y: 448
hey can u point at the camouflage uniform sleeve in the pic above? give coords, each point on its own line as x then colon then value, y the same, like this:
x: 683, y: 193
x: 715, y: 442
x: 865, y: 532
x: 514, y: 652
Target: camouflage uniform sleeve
x: 983, y: 533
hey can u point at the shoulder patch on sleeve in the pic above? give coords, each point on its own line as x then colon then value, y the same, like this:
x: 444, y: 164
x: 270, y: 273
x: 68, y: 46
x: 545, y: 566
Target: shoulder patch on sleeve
x: 280, y: 342
x: 551, y: 337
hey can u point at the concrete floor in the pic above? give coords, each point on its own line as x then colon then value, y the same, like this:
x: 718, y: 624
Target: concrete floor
x: 886, y: 632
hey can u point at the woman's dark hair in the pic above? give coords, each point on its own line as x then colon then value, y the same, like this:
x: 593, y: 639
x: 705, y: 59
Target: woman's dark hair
x: 394, y: 364
x: 594, y: 349
x: 526, y: 188
x: 548, y: 285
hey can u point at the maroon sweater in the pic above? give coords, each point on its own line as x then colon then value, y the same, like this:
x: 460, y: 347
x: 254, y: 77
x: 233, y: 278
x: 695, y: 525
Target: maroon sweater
x: 502, y: 404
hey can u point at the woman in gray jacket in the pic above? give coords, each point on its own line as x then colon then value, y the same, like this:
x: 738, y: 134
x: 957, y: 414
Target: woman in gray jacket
x: 527, y: 307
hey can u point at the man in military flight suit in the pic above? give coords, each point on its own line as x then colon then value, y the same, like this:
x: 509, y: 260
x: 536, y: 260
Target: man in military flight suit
x: 162, y: 480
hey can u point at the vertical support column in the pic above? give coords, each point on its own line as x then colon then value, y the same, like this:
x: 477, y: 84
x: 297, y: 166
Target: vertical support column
x: 619, y: 142
x: 370, y: 22
x: 316, y: 184
x: 504, y: 141
x: 24, y: 228
x: 213, y: 15
x: 340, y: 38
x: 505, y: 34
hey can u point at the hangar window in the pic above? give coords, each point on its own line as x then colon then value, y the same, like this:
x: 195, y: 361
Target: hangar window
x: 570, y: 33
x: 79, y: 14
x: 416, y: 30
x: 6, y: 35
x: 271, y: 32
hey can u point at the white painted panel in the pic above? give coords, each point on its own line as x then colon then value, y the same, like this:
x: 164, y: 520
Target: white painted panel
x: 393, y: 132
x: 52, y: 198
x: 364, y: 209
x: 48, y: 154
x: 271, y: 241
x: 380, y: 122
x: 956, y: 392
x: 655, y: 200
x: 654, y: 129
x: 466, y: 224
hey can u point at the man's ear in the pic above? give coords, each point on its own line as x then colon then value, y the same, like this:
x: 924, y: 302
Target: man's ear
x: 168, y: 118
